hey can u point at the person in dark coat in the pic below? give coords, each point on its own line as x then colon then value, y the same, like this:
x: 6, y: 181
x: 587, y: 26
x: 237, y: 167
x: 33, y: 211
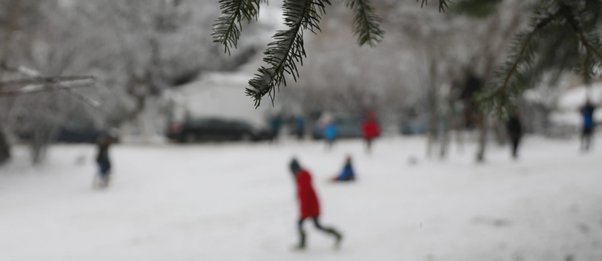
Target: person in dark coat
x: 347, y: 174
x: 587, y: 130
x: 370, y: 130
x: 309, y: 206
x: 103, y: 160
x: 515, y: 132
x: 275, y: 125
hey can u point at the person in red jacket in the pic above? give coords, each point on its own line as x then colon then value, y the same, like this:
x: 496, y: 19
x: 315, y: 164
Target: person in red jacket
x: 309, y: 206
x: 370, y: 130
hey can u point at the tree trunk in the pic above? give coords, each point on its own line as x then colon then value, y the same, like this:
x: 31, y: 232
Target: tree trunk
x: 445, y: 132
x: 433, y: 111
x: 40, y: 140
x: 480, y: 157
x: 4, y: 147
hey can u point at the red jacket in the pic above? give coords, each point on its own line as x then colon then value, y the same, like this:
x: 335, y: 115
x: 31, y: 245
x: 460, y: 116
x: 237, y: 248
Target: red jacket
x: 370, y: 129
x: 308, y: 200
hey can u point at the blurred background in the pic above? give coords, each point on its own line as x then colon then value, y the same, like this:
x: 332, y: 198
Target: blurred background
x: 198, y: 173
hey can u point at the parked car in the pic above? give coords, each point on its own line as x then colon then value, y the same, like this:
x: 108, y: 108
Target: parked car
x: 68, y: 135
x: 214, y: 129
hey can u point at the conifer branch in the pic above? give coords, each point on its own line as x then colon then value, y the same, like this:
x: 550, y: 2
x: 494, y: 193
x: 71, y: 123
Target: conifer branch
x: 443, y: 4
x: 287, y: 49
x: 509, y: 77
x: 590, y: 42
x: 227, y: 27
x: 366, y: 25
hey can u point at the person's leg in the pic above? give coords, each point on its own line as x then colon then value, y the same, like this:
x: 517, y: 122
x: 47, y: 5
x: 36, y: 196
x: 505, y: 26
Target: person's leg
x: 107, y: 177
x: 515, y: 142
x: 329, y: 144
x: 591, y: 137
x: 584, y: 139
x: 301, y: 232
x: 329, y: 230
x: 105, y: 171
x: 588, y: 139
x: 518, y: 141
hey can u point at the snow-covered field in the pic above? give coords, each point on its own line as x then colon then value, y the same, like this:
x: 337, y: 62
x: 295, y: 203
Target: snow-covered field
x: 236, y: 202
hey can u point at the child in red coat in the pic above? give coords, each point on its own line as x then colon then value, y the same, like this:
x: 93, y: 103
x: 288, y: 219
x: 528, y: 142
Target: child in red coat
x: 370, y: 130
x: 309, y: 206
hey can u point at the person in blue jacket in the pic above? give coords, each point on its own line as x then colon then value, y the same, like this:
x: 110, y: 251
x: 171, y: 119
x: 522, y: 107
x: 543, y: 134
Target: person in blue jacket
x: 330, y: 133
x: 299, y: 127
x: 347, y: 174
x: 587, y: 130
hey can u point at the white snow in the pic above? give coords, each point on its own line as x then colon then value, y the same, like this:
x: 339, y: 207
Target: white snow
x: 237, y: 202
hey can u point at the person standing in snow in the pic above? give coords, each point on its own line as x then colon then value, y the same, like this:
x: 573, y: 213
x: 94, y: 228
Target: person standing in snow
x: 275, y: 125
x: 299, y: 127
x: 587, y: 131
x: 330, y: 134
x: 309, y: 206
x: 370, y: 130
x: 103, y: 160
x: 347, y: 174
x: 515, y: 132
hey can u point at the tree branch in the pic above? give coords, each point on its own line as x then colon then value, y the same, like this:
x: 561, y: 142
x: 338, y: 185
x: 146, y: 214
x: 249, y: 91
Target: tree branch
x: 41, y: 84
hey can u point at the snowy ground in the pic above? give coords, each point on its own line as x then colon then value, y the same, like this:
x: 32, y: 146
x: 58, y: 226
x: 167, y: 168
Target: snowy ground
x: 236, y: 202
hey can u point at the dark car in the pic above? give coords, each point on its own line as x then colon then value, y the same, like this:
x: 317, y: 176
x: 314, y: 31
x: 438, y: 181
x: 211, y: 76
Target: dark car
x: 214, y: 129
x: 68, y: 135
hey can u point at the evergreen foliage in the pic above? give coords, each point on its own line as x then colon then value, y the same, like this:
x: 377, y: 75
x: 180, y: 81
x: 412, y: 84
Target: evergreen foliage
x: 365, y: 23
x: 443, y: 4
x: 286, y: 52
x: 563, y: 35
x: 227, y: 27
x: 287, y: 49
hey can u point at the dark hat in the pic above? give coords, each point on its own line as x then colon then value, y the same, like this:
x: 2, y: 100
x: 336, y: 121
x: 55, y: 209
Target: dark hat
x: 294, y: 165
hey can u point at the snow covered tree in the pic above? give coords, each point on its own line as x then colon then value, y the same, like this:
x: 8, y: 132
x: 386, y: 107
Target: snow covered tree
x: 35, y: 83
x: 563, y: 36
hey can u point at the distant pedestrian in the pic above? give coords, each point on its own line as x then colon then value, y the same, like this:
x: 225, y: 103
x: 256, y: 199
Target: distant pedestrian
x: 588, y: 126
x: 103, y: 160
x: 347, y: 174
x: 309, y: 206
x: 515, y: 132
x: 330, y: 134
x: 275, y: 125
x: 299, y: 127
x: 370, y: 130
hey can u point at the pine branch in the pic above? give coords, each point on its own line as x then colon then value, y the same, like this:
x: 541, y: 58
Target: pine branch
x: 590, y: 41
x: 510, y: 79
x: 287, y: 49
x: 366, y: 25
x: 443, y: 4
x: 227, y: 27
